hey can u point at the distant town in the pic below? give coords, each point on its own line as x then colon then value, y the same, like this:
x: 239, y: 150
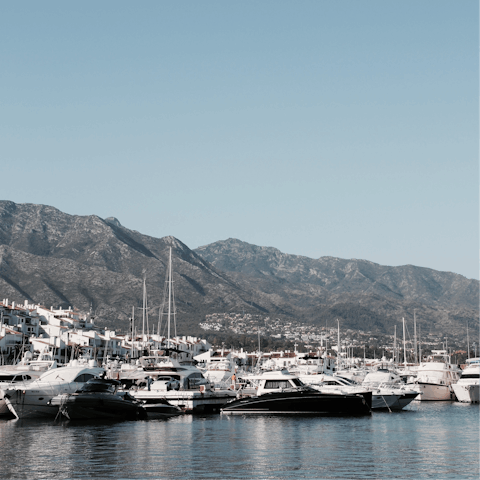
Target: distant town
x: 311, y: 337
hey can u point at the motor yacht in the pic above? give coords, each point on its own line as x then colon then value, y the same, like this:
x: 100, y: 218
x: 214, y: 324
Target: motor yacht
x: 466, y: 389
x: 99, y: 399
x: 388, y: 390
x: 436, y: 377
x: 30, y: 400
x: 181, y: 385
x: 28, y: 369
x: 218, y: 368
x: 283, y: 393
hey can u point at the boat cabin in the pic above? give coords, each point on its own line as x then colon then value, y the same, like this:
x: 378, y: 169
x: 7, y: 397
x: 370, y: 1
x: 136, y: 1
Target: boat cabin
x: 277, y: 381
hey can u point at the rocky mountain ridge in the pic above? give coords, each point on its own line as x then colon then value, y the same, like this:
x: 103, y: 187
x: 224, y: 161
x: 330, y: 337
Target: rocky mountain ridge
x: 49, y: 257
x: 335, y: 275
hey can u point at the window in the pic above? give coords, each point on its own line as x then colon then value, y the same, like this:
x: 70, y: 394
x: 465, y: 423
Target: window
x: 84, y: 377
x: 276, y: 384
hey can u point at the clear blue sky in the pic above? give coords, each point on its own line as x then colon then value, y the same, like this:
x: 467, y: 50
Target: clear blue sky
x: 341, y: 128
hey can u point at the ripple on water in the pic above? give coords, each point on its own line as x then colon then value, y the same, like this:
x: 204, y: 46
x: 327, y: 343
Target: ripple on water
x: 431, y: 440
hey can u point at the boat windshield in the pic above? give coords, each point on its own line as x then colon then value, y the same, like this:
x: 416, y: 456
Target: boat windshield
x: 84, y: 377
x: 347, y: 381
x: 99, y: 385
x: 14, y: 378
x: 276, y: 384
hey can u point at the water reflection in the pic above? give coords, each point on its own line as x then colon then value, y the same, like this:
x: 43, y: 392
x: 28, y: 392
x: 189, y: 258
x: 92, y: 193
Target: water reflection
x: 429, y: 441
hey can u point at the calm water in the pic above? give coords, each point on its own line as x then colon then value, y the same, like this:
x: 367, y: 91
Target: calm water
x: 430, y: 440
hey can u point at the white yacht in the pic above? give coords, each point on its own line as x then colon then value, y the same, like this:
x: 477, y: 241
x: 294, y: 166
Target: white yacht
x: 352, y: 372
x: 30, y: 400
x: 335, y: 384
x: 388, y: 390
x: 220, y: 370
x: 387, y: 393
x: 183, y: 386
x: 27, y: 370
x: 466, y: 389
x: 312, y: 364
x: 436, y: 377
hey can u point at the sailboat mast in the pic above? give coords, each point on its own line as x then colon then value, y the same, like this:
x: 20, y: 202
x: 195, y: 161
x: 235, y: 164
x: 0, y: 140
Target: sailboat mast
x: 415, y: 336
x: 144, y: 309
x: 404, y: 345
x: 169, y: 295
x: 395, y: 345
x: 468, y: 343
x: 133, y: 330
x: 419, y: 347
x: 338, y: 345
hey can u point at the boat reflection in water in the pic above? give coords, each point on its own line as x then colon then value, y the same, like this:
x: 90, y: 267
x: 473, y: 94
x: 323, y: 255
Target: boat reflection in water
x: 281, y: 392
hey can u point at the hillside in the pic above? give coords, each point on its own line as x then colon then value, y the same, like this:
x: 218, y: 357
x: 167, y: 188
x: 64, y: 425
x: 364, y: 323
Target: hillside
x: 52, y: 258
x: 49, y: 257
x: 362, y: 293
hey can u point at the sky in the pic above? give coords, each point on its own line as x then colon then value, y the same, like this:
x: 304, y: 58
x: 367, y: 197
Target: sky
x: 321, y: 128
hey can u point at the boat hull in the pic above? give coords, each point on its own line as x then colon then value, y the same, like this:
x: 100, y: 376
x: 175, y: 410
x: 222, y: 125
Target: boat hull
x: 404, y: 400
x: 383, y: 402
x: 161, y: 410
x: 25, y: 404
x: 4, y: 410
x: 466, y: 393
x: 392, y: 401
x: 190, y: 401
x: 81, y: 406
x: 431, y: 392
x: 301, y: 403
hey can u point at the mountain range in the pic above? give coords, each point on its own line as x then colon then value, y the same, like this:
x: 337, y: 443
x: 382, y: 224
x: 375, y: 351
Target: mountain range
x: 90, y: 263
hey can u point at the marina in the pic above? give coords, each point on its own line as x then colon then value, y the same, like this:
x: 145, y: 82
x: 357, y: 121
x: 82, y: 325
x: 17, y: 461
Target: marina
x: 239, y: 240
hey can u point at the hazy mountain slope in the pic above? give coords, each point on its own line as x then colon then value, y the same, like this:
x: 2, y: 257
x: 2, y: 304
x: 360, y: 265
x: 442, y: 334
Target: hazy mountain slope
x: 339, y: 276
x: 58, y: 259
x: 357, y: 291
x: 50, y: 257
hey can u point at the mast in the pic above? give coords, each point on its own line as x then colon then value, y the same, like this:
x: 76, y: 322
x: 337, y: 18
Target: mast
x: 144, y: 307
x: 259, y: 352
x: 338, y: 345
x: 419, y: 347
x: 169, y: 295
x: 468, y: 343
x: 133, y: 330
x: 395, y: 346
x: 159, y: 327
x: 415, y: 336
x: 404, y: 346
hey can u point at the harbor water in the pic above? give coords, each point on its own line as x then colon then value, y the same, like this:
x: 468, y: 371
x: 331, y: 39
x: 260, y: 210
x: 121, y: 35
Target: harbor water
x: 427, y: 440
